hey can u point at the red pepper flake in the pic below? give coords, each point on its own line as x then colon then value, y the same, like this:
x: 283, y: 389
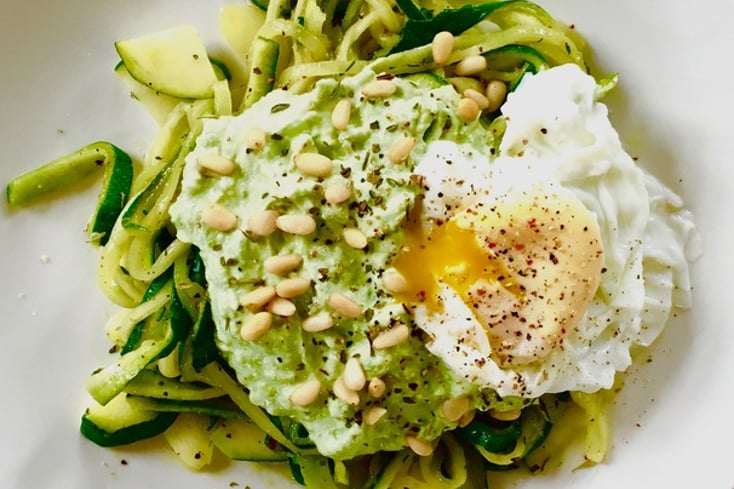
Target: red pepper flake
x: 271, y: 443
x: 532, y: 223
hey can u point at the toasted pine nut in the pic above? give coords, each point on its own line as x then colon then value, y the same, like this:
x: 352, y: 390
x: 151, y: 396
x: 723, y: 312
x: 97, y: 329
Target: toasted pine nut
x: 337, y: 193
x: 373, y: 415
x: 476, y: 96
x: 257, y: 298
x: 314, y: 164
x: 300, y: 224
x: 219, y: 218
x: 454, y: 409
x: 282, y: 264
x: 354, y: 374
x: 392, y: 337
x: 394, y: 281
x: 468, y: 110
x: 282, y: 307
x: 318, y: 322
x: 421, y: 448
x: 345, y: 306
x: 376, y: 387
x: 345, y: 393
x: 471, y: 65
x: 214, y: 163
x: 441, y: 47
x: 256, y: 325
x: 379, y: 89
x: 292, y: 287
x: 255, y: 139
x: 510, y: 415
x: 263, y: 223
x: 496, y: 94
x: 341, y: 113
x: 400, y: 151
x: 306, y: 393
x: 355, y: 238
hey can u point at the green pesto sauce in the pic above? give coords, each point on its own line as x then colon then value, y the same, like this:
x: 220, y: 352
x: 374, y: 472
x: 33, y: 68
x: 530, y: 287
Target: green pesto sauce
x: 382, y: 193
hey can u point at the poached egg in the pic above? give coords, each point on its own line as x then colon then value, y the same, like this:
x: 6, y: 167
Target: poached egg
x: 538, y: 270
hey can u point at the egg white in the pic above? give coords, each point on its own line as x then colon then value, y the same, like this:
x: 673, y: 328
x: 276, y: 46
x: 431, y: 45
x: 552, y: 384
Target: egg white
x: 558, y: 135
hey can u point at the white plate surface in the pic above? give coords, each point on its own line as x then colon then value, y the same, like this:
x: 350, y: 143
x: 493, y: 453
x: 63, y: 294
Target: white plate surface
x: 673, y: 424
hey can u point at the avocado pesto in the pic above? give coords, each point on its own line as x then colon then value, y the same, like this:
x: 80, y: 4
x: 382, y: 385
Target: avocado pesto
x: 377, y: 196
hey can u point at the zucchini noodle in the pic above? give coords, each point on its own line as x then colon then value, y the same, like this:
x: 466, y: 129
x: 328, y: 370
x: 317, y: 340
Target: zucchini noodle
x: 157, y: 278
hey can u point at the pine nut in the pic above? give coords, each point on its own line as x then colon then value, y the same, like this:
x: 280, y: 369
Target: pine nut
x: 421, y: 448
x: 282, y: 307
x: 314, y: 164
x: 263, y: 223
x: 255, y: 139
x: 341, y: 114
x: 441, y: 47
x: 379, y: 89
x: 394, y: 281
x: 300, y: 224
x: 257, y: 298
x: 354, y: 374
x: 282, y: 264
x: 477, y: 96
x: 400, y: 151
x: 355, y: 238
x: 255, y: 326
x: 466, y: 419
x: 345, y: 393
x: 468, y: 110
x: 454, y: 409
x: 391, y: 337
x: 217, y: 164
x: 337, y: 193
x: 318, y: 322
x: 510, y: 415
x: 373, y: 415
x: 376, y: 387
x: 292, y: 287
x: 345, y: 306
x: 306, y: 393
x: 219, y: 218
x: 471, y: 65
x: 496, y: 94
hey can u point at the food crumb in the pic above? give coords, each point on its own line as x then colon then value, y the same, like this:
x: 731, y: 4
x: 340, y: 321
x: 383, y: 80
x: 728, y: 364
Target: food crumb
x: 45, y: 259
x: 233, y: 484
x: 123, y: 462
x: 22, y: 295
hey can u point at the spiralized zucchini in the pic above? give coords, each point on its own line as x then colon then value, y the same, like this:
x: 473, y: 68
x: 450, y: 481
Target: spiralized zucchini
x: 158, y: 280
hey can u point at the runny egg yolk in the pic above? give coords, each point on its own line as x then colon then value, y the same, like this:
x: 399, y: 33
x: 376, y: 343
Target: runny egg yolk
x: 527, y: 266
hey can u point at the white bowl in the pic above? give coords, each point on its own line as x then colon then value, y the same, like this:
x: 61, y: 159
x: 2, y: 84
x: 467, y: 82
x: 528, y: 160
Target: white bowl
x: 674, y: 422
